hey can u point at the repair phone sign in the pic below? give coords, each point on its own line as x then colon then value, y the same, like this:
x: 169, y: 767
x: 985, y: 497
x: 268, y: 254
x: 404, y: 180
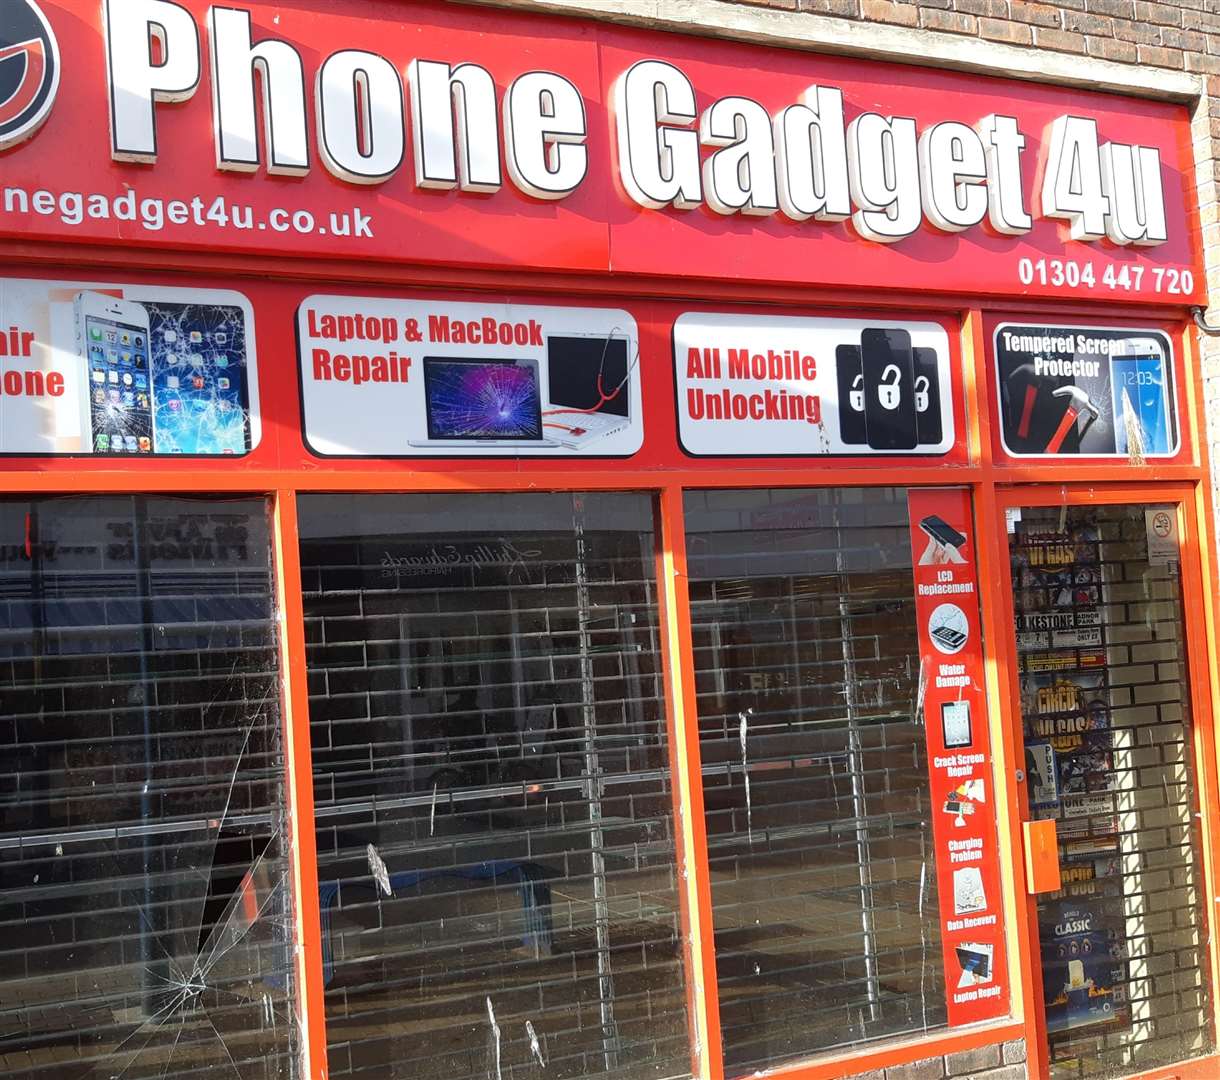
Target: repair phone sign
x: 959, y: 756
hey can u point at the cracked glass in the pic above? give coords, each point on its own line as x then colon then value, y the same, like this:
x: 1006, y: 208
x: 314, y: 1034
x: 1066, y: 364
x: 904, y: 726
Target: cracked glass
x: 145, y: 917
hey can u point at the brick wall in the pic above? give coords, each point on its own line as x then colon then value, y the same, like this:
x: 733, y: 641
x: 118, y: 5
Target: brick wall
x: 1180, y: 34
x: 1000, y: 1061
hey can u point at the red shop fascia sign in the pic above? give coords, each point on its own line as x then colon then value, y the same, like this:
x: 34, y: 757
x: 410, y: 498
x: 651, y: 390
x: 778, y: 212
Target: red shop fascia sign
x: 434, y: 133
x: 446, y: 135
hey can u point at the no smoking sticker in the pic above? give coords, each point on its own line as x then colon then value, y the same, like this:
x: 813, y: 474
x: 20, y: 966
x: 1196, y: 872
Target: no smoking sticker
x: 1161, y: 525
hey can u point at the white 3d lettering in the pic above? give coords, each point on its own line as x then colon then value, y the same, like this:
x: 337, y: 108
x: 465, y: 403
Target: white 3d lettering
x: 732, y: 155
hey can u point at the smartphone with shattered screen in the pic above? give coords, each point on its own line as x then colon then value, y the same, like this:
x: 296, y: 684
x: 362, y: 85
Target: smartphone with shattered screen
x: 201, y: 400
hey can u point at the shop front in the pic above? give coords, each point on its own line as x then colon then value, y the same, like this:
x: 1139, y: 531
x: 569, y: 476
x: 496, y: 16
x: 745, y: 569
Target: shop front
x: 531, y: 548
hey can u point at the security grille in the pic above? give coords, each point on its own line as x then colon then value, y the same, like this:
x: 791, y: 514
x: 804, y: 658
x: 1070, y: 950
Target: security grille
x: 815, y: 775
x: 144, y: 923
x: 1108, y: 740
x: 494, y: 809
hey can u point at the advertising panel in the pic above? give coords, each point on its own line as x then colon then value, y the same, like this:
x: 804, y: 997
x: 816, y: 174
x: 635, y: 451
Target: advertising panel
x: 423, y: 378
x: 959, y: 754
x: 126, y: 370
x: 1086, y: 391
x: 760, y: 385
x: 478, y: 138
x: 1069, y: 758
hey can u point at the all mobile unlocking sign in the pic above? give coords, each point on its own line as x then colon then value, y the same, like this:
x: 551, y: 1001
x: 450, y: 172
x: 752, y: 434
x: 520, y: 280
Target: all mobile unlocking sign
x: 422, y: 378
x: 763, y: 385
x: 1086, y: 391
x: 959, y: 754
x: 126, y: 370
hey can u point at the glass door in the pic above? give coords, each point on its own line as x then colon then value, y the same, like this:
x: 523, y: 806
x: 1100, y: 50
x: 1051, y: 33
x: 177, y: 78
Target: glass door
x: 1105, y: 708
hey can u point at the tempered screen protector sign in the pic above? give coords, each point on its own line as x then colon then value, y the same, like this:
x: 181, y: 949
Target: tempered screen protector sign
x: 430, y: 378
x: 1085, y: 391
x: 126, y: 370
x: 750, y: 385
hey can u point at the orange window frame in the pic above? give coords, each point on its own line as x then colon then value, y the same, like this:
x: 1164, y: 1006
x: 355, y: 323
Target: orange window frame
x: 992, y: 484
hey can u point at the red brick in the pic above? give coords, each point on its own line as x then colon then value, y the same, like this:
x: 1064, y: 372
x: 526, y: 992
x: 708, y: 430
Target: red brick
x: 890, y: 12
x: 1163, y: 58
x: 1038, y: 14
x: 1097, y: 25
x: 848, y: 8
x: 1002, y: 30
x: 1110, y: 49
x: 1190, y: 40
x: 1059, y: 40
x: 953, y: 21
x: 1162, y: 14
x: 1139, y: 32
x: 1209, y: 65
x: 1120, y: 9
x: 993, y: 9
x: 1201, y: 20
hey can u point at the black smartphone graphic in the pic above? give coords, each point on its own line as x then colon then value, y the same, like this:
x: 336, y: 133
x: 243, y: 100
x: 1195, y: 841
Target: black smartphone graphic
x: 850, y: 372
x: 889, y: 389
x: 942, y: 532
x: 928, y: 423
x: 946, y: 635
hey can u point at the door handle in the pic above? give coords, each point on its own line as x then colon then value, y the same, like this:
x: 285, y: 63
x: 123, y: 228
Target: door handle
x: 1042, y: 856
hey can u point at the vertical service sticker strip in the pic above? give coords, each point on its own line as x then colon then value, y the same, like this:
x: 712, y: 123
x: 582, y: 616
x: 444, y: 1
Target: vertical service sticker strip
x: 959, y: 755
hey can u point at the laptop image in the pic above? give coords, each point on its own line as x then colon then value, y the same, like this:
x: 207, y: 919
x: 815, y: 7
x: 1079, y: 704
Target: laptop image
x: 492, y: 403
x: 588, y: 387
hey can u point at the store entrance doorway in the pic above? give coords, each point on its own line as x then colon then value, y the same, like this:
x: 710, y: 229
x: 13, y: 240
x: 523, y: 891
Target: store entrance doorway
x: 1103, y: 598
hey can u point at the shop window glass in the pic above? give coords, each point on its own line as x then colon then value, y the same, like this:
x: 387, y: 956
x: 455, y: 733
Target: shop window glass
x: 494, y: 811
x: 1108, y: 749
x: 814, y: 770
x: 144, y: 899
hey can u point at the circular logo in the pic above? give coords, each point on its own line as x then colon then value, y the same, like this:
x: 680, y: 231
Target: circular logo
x: 1161, y: 524
x: 948, y: 628
x: 29, y: 70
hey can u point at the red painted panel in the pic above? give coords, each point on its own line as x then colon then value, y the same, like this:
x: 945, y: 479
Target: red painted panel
x: 597, y: 227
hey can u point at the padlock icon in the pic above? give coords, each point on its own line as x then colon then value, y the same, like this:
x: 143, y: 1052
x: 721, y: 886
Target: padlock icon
x: 921, y: 394
x: 855, y: 396
x: 888, y: 392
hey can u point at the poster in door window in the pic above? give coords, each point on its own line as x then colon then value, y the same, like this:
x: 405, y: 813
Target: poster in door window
x: 126, y: 371
x: 430, y: 378
x: 1085, y: 391
x: 1059, y: 597
x: 1083, y: 968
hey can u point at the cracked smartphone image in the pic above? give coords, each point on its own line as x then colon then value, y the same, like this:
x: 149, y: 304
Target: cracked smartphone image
x: 112, y: 338
x: 200, y: 390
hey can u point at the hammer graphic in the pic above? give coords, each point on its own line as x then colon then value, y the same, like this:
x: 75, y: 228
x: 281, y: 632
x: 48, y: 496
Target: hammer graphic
x: 1023, y: 377
x: 1078, y: 402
